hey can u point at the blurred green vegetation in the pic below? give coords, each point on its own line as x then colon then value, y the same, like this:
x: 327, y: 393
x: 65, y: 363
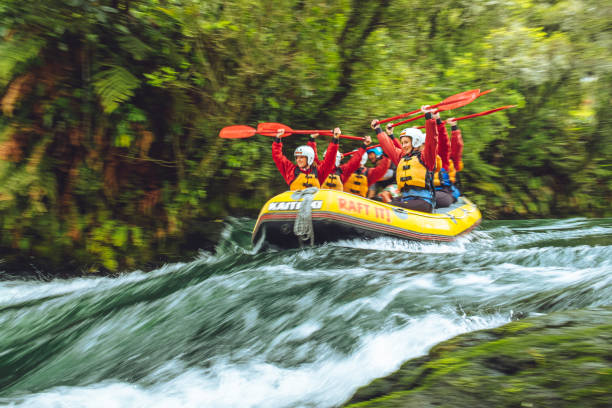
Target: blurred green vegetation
x: 110, y: 110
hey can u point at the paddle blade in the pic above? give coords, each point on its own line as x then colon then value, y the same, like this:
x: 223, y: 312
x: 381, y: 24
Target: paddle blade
x: 458, y: 100
x: 236, y: 132
x: 270, y: 128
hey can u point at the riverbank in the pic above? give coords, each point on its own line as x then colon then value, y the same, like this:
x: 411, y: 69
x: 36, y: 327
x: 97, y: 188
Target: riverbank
x: 561, y: 359
x: 22, y: 264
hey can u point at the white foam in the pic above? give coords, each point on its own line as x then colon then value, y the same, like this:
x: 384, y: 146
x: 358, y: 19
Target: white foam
x: 12, y: 292
x: 400, y: 245
x: 327, y: 382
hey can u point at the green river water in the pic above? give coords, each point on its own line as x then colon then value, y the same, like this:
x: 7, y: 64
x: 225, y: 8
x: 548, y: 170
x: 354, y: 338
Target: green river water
x: 297, y: 328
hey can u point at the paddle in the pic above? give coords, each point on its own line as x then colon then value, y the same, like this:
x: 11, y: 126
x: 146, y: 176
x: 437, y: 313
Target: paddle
x: 439, y: 110
x: 452, y: 102
x: 486, y: 92
x: 270, y: 129
x: 240, y: 132
x: 355, y: 151
x: 474, y: 115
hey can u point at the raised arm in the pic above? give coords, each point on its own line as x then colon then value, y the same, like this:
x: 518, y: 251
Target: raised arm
x: 349, y: 167
x: 389, y: 131
x: 329, y: 161
x: 456, y: 153
x: 431, y: 140
x: 284, y: 165
x: 377, y: 172
x: 443, y: 142
x: 390, y: 149
x: 312, y: 143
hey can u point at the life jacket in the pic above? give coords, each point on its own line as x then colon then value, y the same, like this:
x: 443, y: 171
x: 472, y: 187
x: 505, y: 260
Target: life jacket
x: 441, y: 179
x: 414, y: 180
x: 452, y: 171
x: 411, y: 172
x: 357, y: 183
x: 303, y: 180
x: 441, y: 176
x: 333, y: 181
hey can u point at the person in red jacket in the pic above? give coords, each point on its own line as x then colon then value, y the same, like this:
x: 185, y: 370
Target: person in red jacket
x: 341, y: 172
x: 442, y: 183
x: 456, y: 157
x: 303, y: 173
x: 416, y: 163
x: 360, y: 181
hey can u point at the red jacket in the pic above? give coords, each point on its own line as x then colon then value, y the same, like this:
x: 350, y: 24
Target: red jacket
x: 375, y: 173
x: 287, y: 168
x: 443, y: 145
x: 347, y: 168
x: 428, y: 155
x: 456, y: 153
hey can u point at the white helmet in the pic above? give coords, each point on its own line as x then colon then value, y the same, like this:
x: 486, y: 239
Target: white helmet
x: 305, y: 151
x: 417, y: 137
x: 338, y: 159
x: 364, y: 159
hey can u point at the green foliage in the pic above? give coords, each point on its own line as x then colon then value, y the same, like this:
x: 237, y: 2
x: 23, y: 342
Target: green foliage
x: 17, y: 51
x: 114, y: 85
x: 112, y: 108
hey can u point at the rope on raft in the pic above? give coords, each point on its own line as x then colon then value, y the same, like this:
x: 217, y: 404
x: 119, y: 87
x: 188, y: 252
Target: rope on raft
x: 302, y: 227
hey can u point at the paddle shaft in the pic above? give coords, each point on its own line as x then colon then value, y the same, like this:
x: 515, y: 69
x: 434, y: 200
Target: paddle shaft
x: 475, y: 115
x: 308, y: 132
x: 355, y: 151
x: 404, y: 115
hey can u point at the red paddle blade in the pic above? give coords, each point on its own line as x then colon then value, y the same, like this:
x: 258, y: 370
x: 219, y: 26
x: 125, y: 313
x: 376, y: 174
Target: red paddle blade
x: 458, y: 100
x: 270, y: 128
x: 237, y: 132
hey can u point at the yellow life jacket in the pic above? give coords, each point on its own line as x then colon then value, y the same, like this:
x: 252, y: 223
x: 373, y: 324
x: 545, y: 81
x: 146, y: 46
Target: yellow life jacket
x: 333, y: 181
x: 437, y: 182
x: 357, y: 183
x: 412, y: 173
x: 303, y: 180
x: 452, y: 171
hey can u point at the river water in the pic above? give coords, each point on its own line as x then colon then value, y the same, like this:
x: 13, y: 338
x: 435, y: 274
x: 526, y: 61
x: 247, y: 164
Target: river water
x: 298, y: 328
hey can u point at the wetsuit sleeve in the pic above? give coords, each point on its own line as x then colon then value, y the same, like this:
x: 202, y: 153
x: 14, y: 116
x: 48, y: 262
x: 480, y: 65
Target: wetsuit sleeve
x: 390, y: 149
x: 443, y: 144
x: 431, y: 143
x: 329, y: 161
x: 283, y: 164
x: 377, y: 172
x: 350, y: 166
x: 312, y: 143
x: 457, y: 148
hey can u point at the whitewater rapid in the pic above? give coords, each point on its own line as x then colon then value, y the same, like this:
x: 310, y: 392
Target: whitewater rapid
x: 300, y: 328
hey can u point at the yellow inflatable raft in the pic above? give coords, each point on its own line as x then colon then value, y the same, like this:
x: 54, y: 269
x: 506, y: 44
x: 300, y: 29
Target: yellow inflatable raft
x: 337, y: 215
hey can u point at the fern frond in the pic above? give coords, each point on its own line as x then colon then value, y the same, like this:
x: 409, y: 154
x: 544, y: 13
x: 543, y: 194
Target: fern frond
x: 135, y: 47
x: 15, y: 51
x: 114, y: 86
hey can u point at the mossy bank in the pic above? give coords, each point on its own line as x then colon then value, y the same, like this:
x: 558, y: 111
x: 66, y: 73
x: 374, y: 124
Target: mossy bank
x: 561, y: 359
